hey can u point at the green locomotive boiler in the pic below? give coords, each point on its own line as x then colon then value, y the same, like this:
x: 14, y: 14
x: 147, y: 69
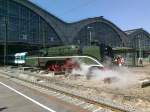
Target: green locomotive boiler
x: 62, y: 58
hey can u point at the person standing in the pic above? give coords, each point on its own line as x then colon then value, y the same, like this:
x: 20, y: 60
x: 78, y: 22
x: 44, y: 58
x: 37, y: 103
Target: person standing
x: 119, y: 61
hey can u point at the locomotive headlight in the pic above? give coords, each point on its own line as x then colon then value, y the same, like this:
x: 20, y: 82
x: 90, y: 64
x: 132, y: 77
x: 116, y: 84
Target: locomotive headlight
x: 72, y: 46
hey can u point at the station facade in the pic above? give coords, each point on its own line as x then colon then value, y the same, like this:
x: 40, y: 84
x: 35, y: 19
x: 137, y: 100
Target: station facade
x: 25, y: 26
x: 139, y: 39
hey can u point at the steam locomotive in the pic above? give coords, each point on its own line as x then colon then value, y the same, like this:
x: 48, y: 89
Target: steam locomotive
x: 65, y: 58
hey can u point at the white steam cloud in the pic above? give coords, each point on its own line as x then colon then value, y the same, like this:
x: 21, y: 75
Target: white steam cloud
x: 117, y: 77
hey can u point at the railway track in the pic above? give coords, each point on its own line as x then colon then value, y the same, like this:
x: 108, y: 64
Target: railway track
x: 44, y: 85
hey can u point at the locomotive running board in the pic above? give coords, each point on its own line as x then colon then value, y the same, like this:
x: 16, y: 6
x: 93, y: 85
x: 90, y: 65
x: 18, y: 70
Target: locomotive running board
x: 64, y: 57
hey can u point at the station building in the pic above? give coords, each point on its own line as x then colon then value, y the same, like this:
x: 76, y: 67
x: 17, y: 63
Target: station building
x: 25, y: 26
x: 139, y: 39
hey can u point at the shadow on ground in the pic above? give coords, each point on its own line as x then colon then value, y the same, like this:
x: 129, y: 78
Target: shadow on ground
x: 3, y: 108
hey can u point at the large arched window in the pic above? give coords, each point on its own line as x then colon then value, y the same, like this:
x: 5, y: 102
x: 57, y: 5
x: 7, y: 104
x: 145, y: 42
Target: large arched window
x: 98, y: 31
x: 24, y: 25
x: 140, y: 40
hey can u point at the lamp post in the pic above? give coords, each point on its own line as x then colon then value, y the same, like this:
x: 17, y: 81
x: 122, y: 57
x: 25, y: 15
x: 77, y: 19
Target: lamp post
x: 90, y: 38
x: 5, y: 40
x: 140, y: 50
x: 44, y: 39
x: 134, y: 46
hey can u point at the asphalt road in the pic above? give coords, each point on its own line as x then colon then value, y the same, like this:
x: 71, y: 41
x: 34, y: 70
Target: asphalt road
x: 18, y: 98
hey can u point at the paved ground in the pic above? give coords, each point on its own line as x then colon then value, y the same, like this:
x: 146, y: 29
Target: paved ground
x: 144, y: 69
x: 11, y: 101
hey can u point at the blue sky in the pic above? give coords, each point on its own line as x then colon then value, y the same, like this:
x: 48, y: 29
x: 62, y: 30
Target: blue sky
x: 126, y: 14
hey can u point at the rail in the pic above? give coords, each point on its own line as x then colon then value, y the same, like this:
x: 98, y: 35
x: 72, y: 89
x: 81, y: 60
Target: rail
x: 37, y: 80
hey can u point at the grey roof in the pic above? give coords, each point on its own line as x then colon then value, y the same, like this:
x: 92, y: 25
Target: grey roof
x: 67, y: 31
x: 133, y: 32
x: 129, y: 32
